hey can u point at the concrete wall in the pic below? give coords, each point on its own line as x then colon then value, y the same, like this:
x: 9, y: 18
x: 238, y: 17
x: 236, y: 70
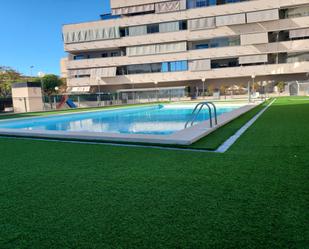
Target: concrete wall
x: 64, y: 67
x: 27, y: 99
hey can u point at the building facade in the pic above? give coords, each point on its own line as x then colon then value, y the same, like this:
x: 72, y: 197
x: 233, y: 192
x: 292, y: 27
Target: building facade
x: 198, y: 44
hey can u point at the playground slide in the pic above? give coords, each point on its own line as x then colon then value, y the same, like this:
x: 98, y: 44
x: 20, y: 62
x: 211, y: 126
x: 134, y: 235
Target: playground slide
x: 70, y: 103
x: 66, y: 100
x: 62, y: 101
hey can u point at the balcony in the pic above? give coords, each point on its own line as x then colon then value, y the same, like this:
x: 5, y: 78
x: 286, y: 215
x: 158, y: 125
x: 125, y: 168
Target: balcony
x: 186, y: 35
x: 211, y: 53
x: 220, y: 73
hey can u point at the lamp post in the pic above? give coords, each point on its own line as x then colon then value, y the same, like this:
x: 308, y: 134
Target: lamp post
x: 249, y: 87
x: 157, y: 94
x: 55, y: 97
x: 41, y: 75
x: 133, y: 93
x: 263, y: 84
x: 203, y: 80
x: 31, y: 71
x: 99, y: 87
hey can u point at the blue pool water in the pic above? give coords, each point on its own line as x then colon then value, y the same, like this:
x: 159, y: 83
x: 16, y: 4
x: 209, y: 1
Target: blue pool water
x: 159, y: 119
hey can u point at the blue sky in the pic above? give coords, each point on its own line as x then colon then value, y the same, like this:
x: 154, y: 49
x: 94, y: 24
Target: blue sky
x: 31, y: 31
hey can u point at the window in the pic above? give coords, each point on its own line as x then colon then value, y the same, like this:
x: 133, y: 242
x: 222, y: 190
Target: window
x: 174, y: 66
x: 204, y: 3
x: 124, y: 32
x: 279, y: 36
x: 201, y: 46
x: 219, y: 2
x: 198, y: 3
x: 183, y: 25
x: 233, y: 62
x: 153, y: 28
x: 234, y: 42
x: 297, y: 57
x: 107, y: 54
x: 114, y: 54
x: 156, y: 67
x: 294, y: 12
x: 216, y: 43
x: 121, y: 70
x: 201, y: 3
x: 79, y: 57
x: 82, y: 76
x: 165, y: 67
x: 142, y: 68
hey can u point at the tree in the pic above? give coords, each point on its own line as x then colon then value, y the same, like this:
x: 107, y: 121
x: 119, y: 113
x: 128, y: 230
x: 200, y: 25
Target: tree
x: 280, y: 85
x: 223, y: 89
x: 64, y: 85
x: 7, y: 77
x: 49, y: 83
x: 210, y: 90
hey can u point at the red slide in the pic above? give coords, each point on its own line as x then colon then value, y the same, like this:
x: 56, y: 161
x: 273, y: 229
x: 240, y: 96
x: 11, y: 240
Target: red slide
x: 63, y: 101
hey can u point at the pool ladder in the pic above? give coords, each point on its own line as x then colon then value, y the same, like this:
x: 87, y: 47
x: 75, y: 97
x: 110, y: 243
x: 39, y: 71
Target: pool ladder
x: 198, y: 108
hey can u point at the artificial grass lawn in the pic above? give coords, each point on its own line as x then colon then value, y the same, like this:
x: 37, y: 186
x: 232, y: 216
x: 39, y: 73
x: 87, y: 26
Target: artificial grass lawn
x: 62, y: 195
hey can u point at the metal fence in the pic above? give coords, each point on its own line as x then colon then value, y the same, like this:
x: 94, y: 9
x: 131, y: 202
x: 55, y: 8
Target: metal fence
x: 298, y: 88
x: 110, y: 99
x: 304, y: 89
x: 122, y: 97
x: 53, y: 102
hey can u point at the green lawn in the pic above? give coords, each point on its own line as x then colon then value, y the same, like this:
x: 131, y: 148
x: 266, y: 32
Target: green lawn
x: 62, y: 195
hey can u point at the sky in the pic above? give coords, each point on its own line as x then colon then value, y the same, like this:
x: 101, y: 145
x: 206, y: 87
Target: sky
x: 30, y: 31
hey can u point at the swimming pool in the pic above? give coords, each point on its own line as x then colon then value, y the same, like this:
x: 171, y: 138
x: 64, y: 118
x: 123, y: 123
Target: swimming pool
x: 148, y: 120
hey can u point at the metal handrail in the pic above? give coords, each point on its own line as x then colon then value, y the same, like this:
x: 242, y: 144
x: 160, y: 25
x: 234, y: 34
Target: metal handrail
x: 215, y: 111
x: 195, y: 113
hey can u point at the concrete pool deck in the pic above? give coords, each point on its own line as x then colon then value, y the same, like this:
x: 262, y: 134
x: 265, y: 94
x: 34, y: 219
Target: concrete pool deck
x: 182, y: 137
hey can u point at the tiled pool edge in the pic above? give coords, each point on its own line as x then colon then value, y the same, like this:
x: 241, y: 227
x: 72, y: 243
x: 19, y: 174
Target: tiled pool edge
x: 183, y: 137
x: 195, y: 133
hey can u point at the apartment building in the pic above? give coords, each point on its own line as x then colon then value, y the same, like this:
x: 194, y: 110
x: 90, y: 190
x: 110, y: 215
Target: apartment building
x: 193, y: 44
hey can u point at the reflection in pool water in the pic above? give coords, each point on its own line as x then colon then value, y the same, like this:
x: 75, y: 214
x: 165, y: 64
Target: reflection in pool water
x: 159, y: 119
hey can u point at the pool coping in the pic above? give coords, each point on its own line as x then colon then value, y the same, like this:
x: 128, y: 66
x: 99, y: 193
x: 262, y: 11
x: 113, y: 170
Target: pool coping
x: 183, y: 137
